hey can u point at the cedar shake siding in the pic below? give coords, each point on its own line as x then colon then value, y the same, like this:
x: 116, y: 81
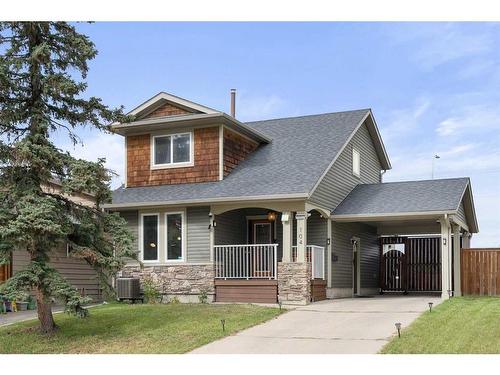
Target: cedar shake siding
x: 236, y: 149
x: 205, y: 169
x: 167, y: 110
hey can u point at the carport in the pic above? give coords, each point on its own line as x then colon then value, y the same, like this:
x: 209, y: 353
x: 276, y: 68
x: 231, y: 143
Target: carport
x: 442, y: 208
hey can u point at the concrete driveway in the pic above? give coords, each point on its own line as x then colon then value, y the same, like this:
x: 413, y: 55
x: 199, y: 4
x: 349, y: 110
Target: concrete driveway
x: 343, y: 326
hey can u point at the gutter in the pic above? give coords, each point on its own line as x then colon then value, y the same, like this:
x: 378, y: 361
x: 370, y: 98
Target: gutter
x: 374, y: 217
x: 299, y: 196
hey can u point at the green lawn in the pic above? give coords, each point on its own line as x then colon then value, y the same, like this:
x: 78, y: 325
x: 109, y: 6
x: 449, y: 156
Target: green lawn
x: 459, y: 325
x: 122, y: 328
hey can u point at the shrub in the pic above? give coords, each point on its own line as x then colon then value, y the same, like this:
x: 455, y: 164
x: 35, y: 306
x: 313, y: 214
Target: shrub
x: 203, y: 297
x: 150, y: 289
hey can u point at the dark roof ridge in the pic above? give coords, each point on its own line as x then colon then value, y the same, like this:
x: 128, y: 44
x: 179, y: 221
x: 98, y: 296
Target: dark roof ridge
x: 311, y: 115
x: 426, y: 180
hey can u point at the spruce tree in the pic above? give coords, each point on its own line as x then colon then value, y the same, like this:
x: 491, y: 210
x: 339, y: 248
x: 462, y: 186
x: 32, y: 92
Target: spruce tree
x: 43, y: 67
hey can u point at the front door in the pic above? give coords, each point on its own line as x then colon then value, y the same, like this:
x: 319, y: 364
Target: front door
x: 261, y: 232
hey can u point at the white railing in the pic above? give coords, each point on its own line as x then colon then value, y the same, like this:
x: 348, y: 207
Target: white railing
x: 316, y: 256
x: 246, y: 261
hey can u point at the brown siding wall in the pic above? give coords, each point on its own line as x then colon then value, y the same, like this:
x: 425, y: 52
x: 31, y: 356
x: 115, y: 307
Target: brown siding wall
x: 236, y: 149
x: 167, y: 110
x: 78, y: 272
x: 205, y: 169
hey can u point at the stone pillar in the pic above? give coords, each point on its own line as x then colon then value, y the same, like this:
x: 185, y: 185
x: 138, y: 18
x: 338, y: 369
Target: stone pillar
x: 445, y: 257
x: 301, y: 218
x: 287, y: 235
x: 456, y: 261
x: 294, y: 283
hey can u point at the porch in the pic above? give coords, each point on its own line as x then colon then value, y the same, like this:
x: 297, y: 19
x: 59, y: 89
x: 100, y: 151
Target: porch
x: 262, y: 255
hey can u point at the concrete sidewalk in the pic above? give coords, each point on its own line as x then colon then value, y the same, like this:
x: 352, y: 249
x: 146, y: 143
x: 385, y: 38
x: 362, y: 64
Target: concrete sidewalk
x: 21, y: 316
x: 343, y: 326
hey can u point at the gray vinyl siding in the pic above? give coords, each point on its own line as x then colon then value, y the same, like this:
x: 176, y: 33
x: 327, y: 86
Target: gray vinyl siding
x: 132, y: 219
x: 339, y: 180
x: 231, y: 228
x: 317, y: 232
x: 76, y: 271
x: 461, y: 213
x: 198, y: 234
x: 342, y: 248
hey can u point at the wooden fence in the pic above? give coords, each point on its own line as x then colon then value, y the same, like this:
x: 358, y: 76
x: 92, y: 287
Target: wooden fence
x: 5, y: 272
x: 480, y: 272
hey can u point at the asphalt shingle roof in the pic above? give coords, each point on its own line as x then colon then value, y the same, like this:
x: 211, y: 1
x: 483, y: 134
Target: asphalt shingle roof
x: 301, y: 150
x: 407, y: 196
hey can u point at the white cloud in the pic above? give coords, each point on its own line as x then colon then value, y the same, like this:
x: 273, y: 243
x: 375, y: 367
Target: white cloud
x: 438, y: 44
x: 402, y: 122
x: 470, y: 119
x: 101, y: 145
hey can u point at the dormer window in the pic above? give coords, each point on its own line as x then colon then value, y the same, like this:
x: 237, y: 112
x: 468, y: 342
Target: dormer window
x: 172, y: 150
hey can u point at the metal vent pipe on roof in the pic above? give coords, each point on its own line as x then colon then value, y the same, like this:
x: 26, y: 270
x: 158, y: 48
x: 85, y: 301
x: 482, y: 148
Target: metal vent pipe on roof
x: 233, y: 103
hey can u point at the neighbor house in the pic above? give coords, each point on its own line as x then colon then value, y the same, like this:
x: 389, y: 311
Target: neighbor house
x: 76, y: 271
x: 291, y: 209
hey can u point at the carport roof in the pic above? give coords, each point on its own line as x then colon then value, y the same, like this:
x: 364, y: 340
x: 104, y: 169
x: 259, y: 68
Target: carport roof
x: 407, y: 197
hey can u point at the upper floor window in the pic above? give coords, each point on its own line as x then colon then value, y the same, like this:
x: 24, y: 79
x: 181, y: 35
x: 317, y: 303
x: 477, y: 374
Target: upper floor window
x: 173, y: 150
x: 356, y: 162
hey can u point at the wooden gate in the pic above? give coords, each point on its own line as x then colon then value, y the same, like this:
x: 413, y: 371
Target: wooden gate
x: 414, y: 268
x: 480, y: 272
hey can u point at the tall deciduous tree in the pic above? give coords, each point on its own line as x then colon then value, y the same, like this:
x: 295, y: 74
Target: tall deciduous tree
x: 43, y: 67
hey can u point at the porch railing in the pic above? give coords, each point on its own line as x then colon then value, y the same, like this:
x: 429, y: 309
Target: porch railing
x: 316, y: 256
x: 246, y: 261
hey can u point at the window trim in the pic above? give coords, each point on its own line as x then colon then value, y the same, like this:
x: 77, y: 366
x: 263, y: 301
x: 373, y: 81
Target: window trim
x: 141, y: 237
x: 354, y: 172
x: 183, y: 234
x: 181, y: 164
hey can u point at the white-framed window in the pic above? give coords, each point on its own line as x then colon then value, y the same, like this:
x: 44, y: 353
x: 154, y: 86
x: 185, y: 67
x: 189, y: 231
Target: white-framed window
x: 149, y: 237
x: 356, y: 162
x: 172, y: 150
x: 175, y: 235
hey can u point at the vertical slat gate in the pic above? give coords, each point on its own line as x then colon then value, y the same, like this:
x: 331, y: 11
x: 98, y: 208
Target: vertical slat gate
x: 418, y: 269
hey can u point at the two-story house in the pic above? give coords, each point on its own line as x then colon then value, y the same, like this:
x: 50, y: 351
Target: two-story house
x: 288, y: 209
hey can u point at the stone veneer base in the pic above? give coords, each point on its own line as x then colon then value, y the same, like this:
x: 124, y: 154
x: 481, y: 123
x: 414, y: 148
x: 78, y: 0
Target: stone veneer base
x: 294, y: 283
x: 186, y: 282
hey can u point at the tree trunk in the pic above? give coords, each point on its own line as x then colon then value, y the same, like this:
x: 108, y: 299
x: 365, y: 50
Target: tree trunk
x: 44, y: 309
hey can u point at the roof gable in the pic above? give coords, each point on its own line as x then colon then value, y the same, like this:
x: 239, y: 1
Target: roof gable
x: 164, y: 104
x: 301, y: 150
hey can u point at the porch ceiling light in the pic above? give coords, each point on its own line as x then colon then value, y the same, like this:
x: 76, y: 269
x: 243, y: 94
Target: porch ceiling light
x: 271, y: 216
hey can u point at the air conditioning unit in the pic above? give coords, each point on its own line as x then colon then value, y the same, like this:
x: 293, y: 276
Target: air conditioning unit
x: 128, y: 288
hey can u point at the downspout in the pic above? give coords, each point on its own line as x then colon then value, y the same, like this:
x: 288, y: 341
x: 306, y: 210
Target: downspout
x: 382, y: 174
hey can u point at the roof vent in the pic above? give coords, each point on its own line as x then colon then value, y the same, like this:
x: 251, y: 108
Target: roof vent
x: 233, y: 103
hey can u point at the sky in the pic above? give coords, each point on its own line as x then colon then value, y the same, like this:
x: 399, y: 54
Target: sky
x: 433, y: 87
